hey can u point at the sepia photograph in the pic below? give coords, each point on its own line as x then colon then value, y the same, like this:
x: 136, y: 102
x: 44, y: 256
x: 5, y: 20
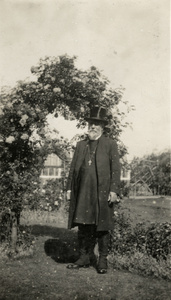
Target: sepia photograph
x: 85, y: 150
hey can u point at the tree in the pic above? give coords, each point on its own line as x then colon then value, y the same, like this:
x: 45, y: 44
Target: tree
x: 60, y: 88
x: 154, y: 170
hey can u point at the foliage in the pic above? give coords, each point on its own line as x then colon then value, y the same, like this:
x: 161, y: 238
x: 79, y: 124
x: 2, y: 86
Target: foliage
x: 61, y: 89
x: 142, y: 248
x: 25, y: 237
x: 121, y: 241
x: 52, y: 196
x: 5, y: 225
x: 153, y: 240
x: 124, y: 189
x: 142, y: 264
x: 154, y: 170
x: 25, y: 243
x: 158, y: 240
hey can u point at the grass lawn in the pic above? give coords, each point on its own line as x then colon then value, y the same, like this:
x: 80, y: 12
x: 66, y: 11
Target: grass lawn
x: 148, y: 210
x: 43, y: 275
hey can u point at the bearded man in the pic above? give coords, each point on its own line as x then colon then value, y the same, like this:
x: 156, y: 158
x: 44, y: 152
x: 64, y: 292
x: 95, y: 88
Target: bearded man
x: 92, y: 188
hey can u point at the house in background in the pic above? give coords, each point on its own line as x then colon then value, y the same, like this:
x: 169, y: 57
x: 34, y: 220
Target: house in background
x: 54, y: 167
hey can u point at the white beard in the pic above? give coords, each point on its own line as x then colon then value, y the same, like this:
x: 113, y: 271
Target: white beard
x: 93, y: 135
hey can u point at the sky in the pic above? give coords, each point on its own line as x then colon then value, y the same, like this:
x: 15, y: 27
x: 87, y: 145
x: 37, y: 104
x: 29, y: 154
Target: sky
x: 128, y: 40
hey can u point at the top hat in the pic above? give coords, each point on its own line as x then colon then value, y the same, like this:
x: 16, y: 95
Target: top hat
x: 99, y: 114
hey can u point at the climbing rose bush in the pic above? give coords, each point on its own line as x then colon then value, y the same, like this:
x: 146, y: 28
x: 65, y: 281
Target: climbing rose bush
x: 61, y: 89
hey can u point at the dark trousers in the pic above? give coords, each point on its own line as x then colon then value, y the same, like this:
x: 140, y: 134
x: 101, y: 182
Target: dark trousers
x: 87, y: 237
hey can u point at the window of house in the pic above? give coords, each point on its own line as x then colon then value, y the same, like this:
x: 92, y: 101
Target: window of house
x: 51, y: 171
x: 56, y: 171
x: 45, y: 172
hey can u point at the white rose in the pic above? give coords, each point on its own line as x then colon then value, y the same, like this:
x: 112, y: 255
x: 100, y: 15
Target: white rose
x: 56, y: 90
x: 47, y: 86
x: 53, y: 79
x: 25, y: 117
x: 24, y: 136
x: 10, y: 139
x: 62, y: 80
x: 23, y: 120
x: 19, y: 112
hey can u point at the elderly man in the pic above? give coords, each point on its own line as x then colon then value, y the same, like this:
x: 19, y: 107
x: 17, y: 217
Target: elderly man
x: 92, y: 188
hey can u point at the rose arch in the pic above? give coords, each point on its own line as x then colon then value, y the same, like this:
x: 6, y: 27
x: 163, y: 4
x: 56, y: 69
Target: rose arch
x: 59, y: 88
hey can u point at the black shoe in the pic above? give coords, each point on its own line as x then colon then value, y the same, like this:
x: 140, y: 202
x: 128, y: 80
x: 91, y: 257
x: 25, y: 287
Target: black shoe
x: 101, y: 271
x: 76, y: 267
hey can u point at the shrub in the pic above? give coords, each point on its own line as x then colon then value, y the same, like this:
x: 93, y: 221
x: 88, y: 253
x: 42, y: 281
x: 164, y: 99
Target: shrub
x: 24, y: 246
x: 158, y: 240
x: 53, y: 195
x: 142, y: 264
x: 48, y: 198
x: 121, y: 236
x: 153, y: 240
x: 144, y: 249
x: 25, y: 238
x: 5, y: 225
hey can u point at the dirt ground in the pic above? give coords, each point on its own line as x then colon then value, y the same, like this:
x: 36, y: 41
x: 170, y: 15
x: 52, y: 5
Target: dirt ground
x: 45, y: 276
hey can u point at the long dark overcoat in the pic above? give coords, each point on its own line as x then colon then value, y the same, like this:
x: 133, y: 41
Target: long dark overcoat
x: 108, y: 178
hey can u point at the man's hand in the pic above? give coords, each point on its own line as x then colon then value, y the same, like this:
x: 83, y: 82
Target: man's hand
x: 113, y: 198
x: 68, y: 195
